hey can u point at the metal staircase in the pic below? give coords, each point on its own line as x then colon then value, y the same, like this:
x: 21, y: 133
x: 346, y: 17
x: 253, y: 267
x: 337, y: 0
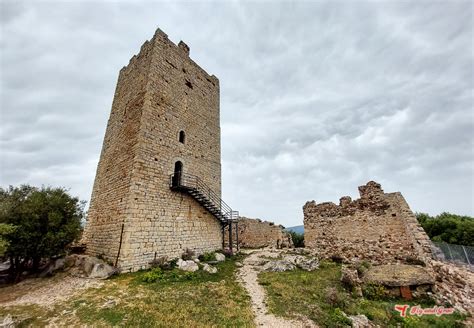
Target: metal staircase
x: 196, y: 188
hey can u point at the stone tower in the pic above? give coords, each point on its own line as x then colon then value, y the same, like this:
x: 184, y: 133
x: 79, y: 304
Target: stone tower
x: 164, y: 121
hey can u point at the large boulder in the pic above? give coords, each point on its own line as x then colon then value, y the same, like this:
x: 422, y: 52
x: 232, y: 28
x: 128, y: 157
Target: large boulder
x: 102, y: 271
x: 396, y: 275
x: 279, y: 266
x: 220, y: 257
x: 189, y: 266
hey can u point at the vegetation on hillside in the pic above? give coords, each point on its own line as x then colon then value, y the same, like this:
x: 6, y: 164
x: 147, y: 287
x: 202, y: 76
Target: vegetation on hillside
x: 37, y: 223
x: 449, y: 228
x: 298, y: 239
x: 321, y: 297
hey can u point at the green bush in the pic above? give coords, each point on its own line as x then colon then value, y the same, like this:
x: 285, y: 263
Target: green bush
x: 153, y: 275
x: 188, y: 254
x: 298, y: 239
x: 206, y: 257
x: 362, y: 267
x: 449, y: 228
x: 337, y: 318
x: 374, y: 292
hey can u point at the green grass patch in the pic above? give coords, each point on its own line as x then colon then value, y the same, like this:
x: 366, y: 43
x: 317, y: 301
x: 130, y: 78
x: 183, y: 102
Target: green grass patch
x: 320, y: 296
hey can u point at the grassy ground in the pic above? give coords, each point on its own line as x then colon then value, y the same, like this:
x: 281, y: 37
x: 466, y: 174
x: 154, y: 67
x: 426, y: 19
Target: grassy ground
x: 175, y: 299
x: 320, y: 296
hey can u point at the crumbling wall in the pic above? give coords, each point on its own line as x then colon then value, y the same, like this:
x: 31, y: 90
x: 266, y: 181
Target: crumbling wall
x: 255, y: 233
x: 378, y: 227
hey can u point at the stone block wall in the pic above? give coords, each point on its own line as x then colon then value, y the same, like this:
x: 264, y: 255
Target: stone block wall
x: 159, y: 94
x: 255, y: 233
x: 379, y: 227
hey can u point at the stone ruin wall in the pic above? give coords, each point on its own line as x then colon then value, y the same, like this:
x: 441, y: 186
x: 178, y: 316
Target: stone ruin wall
x: 378, y: 227
x: 159, y: 93
x: 255, y: 233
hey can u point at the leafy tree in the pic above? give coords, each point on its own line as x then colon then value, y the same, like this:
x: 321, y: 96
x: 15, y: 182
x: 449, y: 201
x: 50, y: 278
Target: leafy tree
x: 298, y: 239
x: 449, y: 228
x: 5, y: 229
x: 42, y: 221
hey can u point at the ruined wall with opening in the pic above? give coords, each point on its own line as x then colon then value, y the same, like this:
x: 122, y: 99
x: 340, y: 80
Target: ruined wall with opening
x: 160, y: 93
x: 379, y: 227
x: 255, y: 233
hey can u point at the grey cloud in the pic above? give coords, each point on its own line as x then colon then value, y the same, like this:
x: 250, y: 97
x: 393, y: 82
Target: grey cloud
x: 316, y: 98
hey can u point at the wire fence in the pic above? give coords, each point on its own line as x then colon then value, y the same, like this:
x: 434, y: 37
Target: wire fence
x: 454, y: 253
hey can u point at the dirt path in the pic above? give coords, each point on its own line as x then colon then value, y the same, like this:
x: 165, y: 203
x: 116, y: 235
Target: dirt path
x: 45, y: 291
x: 247, y: 275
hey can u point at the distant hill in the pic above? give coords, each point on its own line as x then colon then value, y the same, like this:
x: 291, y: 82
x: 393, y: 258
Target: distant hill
x: 297, y: 229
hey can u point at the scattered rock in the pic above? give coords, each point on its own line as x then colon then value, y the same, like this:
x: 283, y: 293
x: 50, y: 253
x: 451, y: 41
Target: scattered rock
x: 81, y: 266
x: 279, y: 266
x: 209, y: 268
x: 303, y: 262
x: 53, y: 267
x: 102, y: 271
x: 196, y: 260
x: 109, y: 304
x: 7, y: 322
x: 360, y: 321
x: 220, y: 257
x: 190, y: 265
x: 308, y: 264
x: 238, y: 264
x: 349, y: 277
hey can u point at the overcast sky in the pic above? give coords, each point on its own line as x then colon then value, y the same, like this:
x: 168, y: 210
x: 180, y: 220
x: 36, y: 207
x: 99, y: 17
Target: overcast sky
x: 316, y: 98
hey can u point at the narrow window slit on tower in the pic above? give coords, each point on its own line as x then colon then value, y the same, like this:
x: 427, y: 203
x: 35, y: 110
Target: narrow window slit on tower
x: 182, y: 136
x: 189, y: 84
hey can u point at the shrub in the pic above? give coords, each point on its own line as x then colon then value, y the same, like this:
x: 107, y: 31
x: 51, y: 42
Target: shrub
x: 163, y: 263
x: 334, y: 297
x: 158, y: 262
x: 153, y: 275
x: 206, y: 257
x: 188, y: 254
x: 298, y: 239
x: 362, y: 267
x: 339, y: 319
x: 374, y: 292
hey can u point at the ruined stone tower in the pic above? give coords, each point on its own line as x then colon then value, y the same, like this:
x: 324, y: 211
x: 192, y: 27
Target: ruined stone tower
x: 163, y: 134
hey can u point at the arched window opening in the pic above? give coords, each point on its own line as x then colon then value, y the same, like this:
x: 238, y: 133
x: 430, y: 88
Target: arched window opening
x: 178, y: 171
x: 182, y: 136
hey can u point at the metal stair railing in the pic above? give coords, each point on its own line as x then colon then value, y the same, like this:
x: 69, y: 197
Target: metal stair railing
x: 194, y: 186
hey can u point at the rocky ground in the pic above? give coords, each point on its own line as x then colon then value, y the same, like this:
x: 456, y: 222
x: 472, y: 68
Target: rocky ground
x: 452, y: 285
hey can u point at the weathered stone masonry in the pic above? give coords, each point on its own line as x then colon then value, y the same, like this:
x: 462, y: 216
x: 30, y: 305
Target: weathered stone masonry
x: 378, y: 227
x: 160, y: 95
x: 255, y: 233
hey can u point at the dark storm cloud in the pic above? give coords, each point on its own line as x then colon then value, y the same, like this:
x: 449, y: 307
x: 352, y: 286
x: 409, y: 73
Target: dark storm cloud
x: 316, y: 98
